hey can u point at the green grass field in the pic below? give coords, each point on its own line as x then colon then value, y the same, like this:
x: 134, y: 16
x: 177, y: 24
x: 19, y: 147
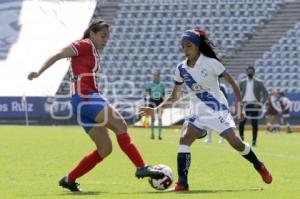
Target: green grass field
x: 33, y: 159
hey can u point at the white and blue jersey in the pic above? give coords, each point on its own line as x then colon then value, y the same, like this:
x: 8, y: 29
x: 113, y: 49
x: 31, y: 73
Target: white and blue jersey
x: 208, y: 105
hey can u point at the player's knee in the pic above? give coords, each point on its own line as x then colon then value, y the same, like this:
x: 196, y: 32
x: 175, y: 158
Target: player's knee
x: 186, y: 140
x: 105, y: 151
x: 240, y: 146
x: 120, y: 127
x: 237, y: 144
x: 109, y: 151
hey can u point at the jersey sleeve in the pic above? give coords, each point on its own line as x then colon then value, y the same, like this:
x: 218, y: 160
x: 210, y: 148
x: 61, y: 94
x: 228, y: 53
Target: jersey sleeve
x: 177, y: 78
x: 80, y: 47
x: 218, y: 68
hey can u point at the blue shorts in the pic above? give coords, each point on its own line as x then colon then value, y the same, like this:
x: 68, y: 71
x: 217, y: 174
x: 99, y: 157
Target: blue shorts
x: 86, y: 109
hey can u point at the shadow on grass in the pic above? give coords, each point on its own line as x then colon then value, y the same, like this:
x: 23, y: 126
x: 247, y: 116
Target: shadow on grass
x: 84, y: 193
x: 203, y: 191
x: 212, y: 191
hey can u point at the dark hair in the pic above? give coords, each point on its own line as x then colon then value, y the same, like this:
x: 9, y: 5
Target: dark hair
x: 207, y: 48
x: 250, y: 68
x: 95, y: 25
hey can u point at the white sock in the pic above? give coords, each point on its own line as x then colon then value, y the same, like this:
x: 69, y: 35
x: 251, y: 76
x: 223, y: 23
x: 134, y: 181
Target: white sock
x: 246, y: 149
x: 184, y: 149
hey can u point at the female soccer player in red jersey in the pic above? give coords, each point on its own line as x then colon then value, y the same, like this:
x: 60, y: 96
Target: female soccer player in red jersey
x: 94, y: 112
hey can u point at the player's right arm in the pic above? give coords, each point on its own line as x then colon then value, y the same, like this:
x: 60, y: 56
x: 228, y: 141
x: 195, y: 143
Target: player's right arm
x: 168, y: 103
x: 63, y: 53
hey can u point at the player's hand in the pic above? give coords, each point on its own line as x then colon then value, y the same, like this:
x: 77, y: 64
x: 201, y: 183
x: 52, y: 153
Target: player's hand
x: 147, y: 111
x: 242, y: 116
x: 33, y: 75
x: 240, y: 112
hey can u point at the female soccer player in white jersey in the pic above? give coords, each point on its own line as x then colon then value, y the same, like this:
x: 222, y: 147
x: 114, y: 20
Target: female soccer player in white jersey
x: 208, y: 107
x: 94, y: 112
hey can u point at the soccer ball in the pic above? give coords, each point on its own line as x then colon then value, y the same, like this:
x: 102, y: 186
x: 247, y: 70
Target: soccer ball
x: 165, y: 182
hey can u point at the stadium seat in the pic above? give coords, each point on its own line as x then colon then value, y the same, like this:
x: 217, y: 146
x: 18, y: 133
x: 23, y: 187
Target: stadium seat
x: 283, y: 60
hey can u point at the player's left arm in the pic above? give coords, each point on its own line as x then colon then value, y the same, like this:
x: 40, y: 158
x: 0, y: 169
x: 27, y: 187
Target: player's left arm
x: 236, y: 92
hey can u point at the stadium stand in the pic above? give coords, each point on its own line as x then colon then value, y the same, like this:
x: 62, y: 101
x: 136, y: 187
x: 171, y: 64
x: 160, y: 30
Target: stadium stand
x: 264, y: 37
x: 279, y: 66
x: 145, y: 33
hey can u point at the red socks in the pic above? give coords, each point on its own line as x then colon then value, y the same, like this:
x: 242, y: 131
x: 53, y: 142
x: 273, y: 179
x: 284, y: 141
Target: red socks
x: 130, y: 149
x: 84, y: 166
x: 90, y: 161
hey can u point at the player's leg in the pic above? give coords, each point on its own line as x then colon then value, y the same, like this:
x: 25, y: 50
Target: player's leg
x: 285, y: 118
x: 111, y: 118
x: 277, y: 123
x: 159, y: 116
x: 152, y: 125
x: 273, y: 123
x: 268, y: 122
x: 254, y: 123
x: 86, y: 110
x: 254, y: 113
x: 246, y: 151
x: 100, y: 137
x: 188, y: 136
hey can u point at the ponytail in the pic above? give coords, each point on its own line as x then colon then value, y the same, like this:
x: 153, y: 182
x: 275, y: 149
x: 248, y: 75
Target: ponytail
x: 206, y: 47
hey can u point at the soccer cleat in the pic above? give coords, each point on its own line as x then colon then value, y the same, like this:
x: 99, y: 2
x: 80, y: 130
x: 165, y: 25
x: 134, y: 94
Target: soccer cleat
x: 179, y: 187
x: 72, y: 186
x: 265, y: 174
x: 148, y: 171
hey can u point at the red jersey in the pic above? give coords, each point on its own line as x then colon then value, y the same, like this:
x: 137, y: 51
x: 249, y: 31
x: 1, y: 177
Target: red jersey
x: 85, y: 67
x: 273, y: 108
